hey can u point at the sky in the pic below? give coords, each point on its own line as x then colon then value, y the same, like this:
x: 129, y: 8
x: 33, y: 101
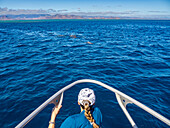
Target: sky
x: 160, y: 8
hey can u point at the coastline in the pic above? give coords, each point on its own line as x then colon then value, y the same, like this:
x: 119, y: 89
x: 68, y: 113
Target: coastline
x: 54, y: 20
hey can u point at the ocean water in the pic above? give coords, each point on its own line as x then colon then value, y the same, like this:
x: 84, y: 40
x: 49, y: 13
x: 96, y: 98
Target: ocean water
x: 39, y: 58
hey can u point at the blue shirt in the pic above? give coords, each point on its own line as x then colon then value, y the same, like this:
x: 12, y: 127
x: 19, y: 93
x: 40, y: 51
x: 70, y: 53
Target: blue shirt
x: 80, y: 121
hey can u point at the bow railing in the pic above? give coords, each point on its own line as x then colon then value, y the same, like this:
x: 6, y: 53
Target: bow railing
x: 122, y: 99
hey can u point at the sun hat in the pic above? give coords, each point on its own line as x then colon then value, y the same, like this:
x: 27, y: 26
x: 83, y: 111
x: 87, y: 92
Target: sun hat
x: 86, y: 94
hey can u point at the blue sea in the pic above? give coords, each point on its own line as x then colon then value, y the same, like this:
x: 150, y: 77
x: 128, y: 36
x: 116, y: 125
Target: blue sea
x: 38, y: 58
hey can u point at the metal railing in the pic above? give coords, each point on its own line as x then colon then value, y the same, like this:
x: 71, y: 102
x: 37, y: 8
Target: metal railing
x: 122, y: 99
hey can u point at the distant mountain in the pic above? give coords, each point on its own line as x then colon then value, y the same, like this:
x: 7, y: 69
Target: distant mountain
x: 48, y: 16
x: 23, y: 16
x: 33, y: 14
x: 29, y: 14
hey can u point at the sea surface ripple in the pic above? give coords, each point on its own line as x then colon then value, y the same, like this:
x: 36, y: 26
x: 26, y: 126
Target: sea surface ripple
x: 39, y: 58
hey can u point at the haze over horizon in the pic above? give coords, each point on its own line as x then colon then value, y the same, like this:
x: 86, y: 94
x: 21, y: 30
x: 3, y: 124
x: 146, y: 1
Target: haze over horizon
x: 126, y: 8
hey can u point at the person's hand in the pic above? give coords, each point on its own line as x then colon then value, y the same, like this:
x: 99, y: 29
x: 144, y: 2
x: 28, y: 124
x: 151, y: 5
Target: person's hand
x: 55, y: 112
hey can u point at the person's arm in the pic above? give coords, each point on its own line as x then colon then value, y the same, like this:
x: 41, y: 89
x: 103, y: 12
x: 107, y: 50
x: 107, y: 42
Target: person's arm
x: 55, y: 112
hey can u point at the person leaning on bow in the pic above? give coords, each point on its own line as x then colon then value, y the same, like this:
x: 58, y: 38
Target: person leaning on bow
x: 90, y: 116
